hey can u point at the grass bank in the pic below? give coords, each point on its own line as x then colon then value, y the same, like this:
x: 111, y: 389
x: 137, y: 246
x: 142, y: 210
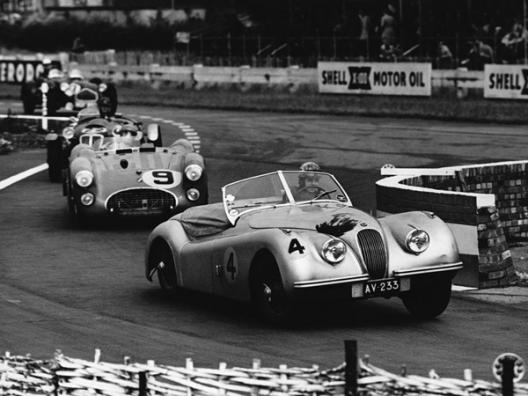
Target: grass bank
x: 443, y: 105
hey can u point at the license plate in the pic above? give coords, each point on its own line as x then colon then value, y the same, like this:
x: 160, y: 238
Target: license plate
x: 382, y: 287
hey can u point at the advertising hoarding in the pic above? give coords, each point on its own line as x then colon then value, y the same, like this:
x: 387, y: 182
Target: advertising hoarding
x: 411, y: 79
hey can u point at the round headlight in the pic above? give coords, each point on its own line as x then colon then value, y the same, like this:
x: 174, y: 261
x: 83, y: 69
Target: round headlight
x: 67, y: 133
x: 333, y: 251
x: 44, y: 87
x: 87, y: 199
x: 102, y: 87
x: 417, y: 241
x: 193, y: 172
x: 84, y: 178
x: 193, y: 194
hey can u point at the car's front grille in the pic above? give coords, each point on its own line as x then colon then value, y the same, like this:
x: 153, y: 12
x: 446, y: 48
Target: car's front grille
x: 141, y: 201
x: 87, y: 94
x: 373, y: 251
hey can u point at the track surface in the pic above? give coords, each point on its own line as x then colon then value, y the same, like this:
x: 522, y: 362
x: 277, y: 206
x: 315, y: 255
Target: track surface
x: 75, y: 288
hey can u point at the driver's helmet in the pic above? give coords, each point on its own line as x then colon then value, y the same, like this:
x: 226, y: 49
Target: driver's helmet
x: 75, y: 74
x: 105, y: 106
x: 127, y: 136
x: 309, y: 172
x: 55, y: 74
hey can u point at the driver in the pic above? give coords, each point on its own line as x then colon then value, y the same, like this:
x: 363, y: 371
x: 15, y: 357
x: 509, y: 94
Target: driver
x: 126, y: 136
x: 308, y: 186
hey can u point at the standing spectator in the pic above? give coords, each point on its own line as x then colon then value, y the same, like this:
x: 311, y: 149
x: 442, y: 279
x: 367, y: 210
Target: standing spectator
x: 513, y: 43
x: 388, y: 26
x: 364, y: 35
x: 445, y: 57
x: 479, y: 54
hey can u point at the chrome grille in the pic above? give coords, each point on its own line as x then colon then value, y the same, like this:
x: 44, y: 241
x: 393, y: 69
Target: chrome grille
x: 373, y: 251
x: 141, y: 200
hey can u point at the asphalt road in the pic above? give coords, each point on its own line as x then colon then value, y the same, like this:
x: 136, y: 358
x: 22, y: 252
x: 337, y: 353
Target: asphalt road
x: 66, y: 287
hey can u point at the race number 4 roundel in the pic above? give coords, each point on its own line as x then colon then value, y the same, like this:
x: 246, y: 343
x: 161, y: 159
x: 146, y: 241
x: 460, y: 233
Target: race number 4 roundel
x: 162, y: 178
x: 230, y: 265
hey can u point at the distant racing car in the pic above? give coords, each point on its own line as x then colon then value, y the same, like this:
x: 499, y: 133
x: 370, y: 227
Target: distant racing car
x: 121, y: 171
x: 89, y: 120
x: 65, y: 95
x: 280, y: 239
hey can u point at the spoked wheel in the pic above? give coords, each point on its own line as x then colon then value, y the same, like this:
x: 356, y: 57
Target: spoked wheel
x: 269, y: 296
x: 166, y: 269
x: 428, y: 298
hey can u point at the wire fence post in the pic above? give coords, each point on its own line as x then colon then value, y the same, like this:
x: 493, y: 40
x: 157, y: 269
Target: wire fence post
x: 507, y: 376
x: 142, y: 383
x: 351, y: 368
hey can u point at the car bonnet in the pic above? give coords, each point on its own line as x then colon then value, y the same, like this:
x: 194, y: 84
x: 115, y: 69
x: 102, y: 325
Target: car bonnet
x: 321, y: 217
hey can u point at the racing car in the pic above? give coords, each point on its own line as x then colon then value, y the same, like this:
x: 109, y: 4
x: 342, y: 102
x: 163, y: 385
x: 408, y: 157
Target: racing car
x: 117, y: 170
x: 65, y: 95
x: 280, y: 240
x: 89, y: 120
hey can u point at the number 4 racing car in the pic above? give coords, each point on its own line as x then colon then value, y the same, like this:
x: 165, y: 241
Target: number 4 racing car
x: 121, y: 172
x: 287, y: 237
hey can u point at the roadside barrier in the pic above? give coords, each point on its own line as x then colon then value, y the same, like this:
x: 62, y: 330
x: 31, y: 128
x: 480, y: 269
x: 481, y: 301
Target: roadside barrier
x: 486, y: 207
x: 293, y: 77
x: 22, y: 375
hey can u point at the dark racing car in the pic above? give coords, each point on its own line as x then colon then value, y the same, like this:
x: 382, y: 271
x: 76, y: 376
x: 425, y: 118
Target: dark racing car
x: 61, y: 94
x: 89, y: 120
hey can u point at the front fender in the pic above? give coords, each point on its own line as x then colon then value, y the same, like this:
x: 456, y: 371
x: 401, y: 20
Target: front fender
x: 442, y: 249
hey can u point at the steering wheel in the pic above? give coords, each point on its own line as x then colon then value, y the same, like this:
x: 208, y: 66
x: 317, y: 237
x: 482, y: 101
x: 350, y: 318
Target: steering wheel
x: 311, y: 189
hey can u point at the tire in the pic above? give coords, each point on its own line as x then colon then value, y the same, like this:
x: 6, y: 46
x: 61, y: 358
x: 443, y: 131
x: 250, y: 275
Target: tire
x: 54, y: 159
x: 167, y: 271
x: 428, y: 297
x: 268, y: 294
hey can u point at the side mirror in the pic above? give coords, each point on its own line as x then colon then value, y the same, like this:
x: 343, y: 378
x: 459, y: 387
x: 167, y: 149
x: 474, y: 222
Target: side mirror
x: 153, y: 132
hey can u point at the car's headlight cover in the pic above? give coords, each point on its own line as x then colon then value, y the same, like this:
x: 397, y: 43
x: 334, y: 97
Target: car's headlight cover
x: 84, y: 178
x: 87, y: 199
x: 333, y: 251
x: 417, y: 241
x: 193, y: 194
x: 193, y: 172
x: 67, y: 133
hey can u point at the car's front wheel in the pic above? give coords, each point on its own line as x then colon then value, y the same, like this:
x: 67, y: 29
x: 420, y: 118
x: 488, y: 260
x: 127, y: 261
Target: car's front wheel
x: 268, y: 294
x: 428, y: 297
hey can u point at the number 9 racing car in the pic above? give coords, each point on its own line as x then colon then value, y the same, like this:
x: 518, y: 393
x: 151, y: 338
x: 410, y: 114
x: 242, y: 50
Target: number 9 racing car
x: 121, y: 172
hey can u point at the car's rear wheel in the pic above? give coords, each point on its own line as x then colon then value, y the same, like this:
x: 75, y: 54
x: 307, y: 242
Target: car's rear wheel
x: 428, y: 297
x: 268, y: 294
x: 164, y: 261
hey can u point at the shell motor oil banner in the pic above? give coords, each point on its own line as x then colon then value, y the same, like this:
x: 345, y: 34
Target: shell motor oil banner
x: 506, y: 81
x: 411, y: 79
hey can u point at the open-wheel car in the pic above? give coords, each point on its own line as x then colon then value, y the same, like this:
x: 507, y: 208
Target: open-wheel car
x: 288, y: 237
x: 118, y: 170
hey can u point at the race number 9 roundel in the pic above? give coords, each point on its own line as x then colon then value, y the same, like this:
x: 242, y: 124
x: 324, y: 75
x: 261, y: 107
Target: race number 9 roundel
x: 162, y: 178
